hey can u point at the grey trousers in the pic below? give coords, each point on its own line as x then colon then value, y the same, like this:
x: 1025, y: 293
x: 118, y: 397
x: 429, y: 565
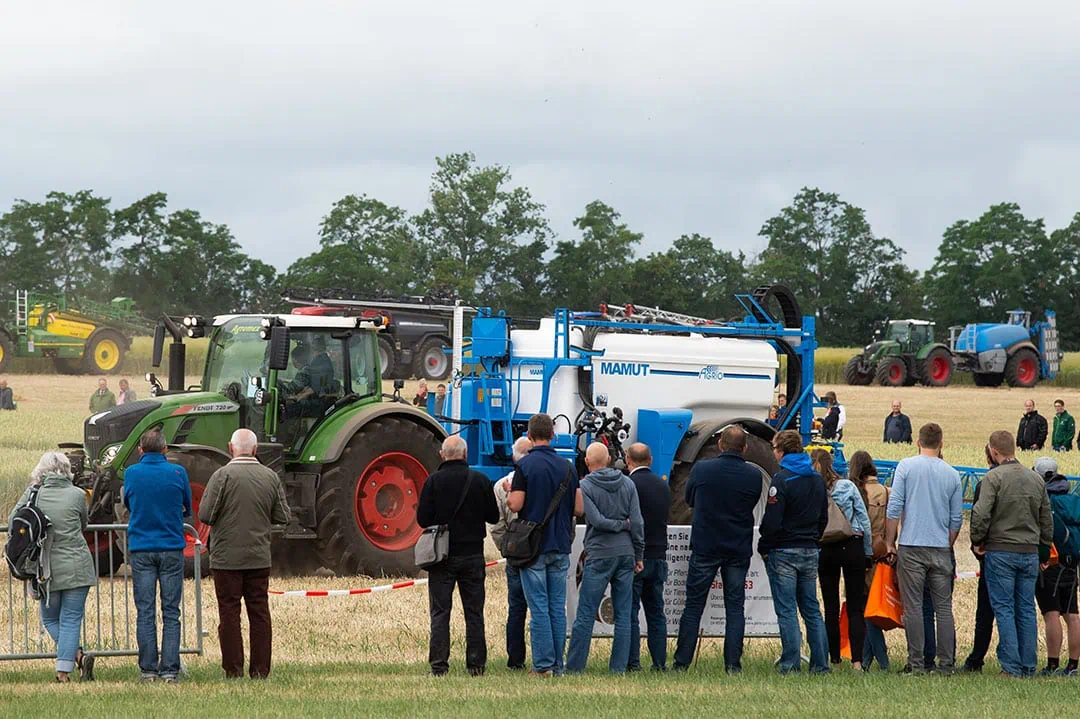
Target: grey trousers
x: 917, y: 567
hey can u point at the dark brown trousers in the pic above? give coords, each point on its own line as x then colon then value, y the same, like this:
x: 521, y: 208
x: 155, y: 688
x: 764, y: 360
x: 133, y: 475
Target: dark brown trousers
x: 252, y: 586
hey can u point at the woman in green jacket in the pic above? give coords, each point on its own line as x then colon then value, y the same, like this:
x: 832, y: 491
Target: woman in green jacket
x: 71, y: 568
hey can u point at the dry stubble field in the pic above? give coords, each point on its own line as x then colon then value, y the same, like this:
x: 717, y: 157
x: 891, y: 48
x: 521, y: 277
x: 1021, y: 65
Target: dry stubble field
x: 367, y: 654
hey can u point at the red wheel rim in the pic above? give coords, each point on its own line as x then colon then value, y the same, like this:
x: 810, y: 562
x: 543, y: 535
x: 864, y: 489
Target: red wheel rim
x: 387, y: 492
x: 894, y: 373
x: 203, y: 529
x: 939, y: 369
x: 1025, y: 371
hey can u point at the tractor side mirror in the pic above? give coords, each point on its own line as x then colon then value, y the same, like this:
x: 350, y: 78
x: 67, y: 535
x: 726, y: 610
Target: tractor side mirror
x: 159, y: 344
x: 279, y: 348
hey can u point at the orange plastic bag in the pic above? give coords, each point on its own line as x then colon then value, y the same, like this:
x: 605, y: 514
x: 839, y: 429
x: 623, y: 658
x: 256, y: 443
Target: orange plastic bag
x: 845, y: 640
x: 883, y: 605
x: 1054, y: 556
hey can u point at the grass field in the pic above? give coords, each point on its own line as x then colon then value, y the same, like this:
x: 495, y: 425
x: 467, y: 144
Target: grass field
x: 366, y: 654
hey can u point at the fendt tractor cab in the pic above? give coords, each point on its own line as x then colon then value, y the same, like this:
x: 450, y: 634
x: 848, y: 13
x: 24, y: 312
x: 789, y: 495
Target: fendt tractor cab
x: 351, y: 460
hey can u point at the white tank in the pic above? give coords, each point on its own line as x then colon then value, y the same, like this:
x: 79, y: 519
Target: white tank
x: 719, y: 379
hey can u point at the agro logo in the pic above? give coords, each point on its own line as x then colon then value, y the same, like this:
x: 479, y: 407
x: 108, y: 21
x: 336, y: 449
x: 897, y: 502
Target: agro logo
x: 624, y: 369
x: 711, y: 373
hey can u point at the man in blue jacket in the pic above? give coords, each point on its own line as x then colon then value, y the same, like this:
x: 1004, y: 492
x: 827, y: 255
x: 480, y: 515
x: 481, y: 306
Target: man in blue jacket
x: 723, y: 493
x: 796, y: 514
x: 158, y: 497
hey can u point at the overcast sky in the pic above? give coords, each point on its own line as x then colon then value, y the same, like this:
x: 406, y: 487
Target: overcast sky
x: 686, y: 117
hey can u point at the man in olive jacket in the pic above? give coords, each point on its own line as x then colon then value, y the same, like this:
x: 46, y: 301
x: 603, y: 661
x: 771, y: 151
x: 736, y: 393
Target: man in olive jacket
x: 242, y: 500
x: 103, y: 398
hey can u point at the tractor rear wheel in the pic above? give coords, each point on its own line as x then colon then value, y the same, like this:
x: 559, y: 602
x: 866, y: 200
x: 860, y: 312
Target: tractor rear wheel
x: 852, y: 374
x: 7, y: 351
x: 758, y: 452
x: 388, y: 359
x: 432, y: 362
x: 367, y: 500
x: 1022, y: 369
x: 988, y: 379
x: 936, y: 368
x: 104, y: 353
x: 891, y: 372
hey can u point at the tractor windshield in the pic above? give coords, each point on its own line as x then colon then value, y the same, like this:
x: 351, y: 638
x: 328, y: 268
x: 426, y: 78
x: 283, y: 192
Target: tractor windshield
x: 899, y: 331
x: 236, y: 354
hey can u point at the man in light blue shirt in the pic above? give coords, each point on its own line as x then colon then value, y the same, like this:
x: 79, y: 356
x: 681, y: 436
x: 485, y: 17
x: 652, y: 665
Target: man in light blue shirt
x: 927, y: 496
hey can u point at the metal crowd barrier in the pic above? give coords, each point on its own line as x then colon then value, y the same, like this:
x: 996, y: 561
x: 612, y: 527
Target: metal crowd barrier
x: 969, y: 477
x: 108, y: 628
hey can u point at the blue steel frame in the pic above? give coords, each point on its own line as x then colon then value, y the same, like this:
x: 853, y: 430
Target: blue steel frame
x: 969, y: 477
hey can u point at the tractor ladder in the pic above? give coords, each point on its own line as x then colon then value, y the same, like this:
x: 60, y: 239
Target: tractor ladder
x: 22, y: 312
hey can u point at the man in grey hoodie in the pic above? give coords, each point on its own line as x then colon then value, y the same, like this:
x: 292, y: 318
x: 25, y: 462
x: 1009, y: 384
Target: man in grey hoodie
x: 614, y: 552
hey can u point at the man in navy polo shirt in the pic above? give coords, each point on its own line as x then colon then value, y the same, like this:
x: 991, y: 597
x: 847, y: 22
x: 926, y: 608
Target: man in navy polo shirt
x: 536, y: 481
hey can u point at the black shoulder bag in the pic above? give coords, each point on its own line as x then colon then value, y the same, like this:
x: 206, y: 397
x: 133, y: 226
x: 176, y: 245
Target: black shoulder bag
x: 522, y: 541
x: 433, y: 546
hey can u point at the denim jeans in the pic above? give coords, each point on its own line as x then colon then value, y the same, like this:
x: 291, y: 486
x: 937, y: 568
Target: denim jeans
x: 793, y: 579
x: 1010, y: 582
x: 516, y: 612
x: 700, y: 574
x: 649, y: 593
x: 544, y: 584
x: 874, y: 647
x: 148, y: 570
x: 598, y: 574
x: 62, y: 618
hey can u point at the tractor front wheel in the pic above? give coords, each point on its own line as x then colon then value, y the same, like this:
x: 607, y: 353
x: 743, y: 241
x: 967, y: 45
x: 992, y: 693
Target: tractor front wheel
x: 891, y: 372
x: 853, y: 373
x: 367, y: 500
x: 1022, y: 369
x: 936, y: 368
x: 758, y: 452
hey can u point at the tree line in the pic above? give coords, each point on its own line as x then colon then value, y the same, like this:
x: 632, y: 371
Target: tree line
x: 487, y: 240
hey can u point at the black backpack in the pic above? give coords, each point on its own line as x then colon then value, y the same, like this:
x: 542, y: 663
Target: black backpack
x: 26, y: 540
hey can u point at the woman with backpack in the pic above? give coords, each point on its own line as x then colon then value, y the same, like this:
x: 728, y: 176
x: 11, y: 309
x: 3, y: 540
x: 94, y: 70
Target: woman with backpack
x: 848, y: 557
x: 66, y: 567
x: 875, y: 496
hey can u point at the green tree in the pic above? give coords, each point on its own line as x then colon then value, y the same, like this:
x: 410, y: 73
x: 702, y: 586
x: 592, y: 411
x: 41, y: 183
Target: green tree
x: 594, y: 268
x: 1064, y: 274
x: 692, y: 277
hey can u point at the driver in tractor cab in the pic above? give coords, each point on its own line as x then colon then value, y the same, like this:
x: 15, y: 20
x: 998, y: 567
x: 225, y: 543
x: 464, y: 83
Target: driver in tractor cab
x: 303, y: 395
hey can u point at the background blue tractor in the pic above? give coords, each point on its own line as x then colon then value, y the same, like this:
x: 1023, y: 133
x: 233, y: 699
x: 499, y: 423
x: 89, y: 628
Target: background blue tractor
x: 1018, y: 352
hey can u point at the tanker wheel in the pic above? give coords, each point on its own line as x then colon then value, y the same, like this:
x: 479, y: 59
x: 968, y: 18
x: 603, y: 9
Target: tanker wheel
x: 432, y: 362
x: 104, y: 354
x: 936, y: 368
x: 758, y: 452
x: 64, y: 365
x: 852, y: 375
x: 988, y: 379
x: 1022, y: 369
x: 891, y: 372
x: 7, y: 351
x: 99, y: 544
x: 387, y: 358
x: 367, y: 500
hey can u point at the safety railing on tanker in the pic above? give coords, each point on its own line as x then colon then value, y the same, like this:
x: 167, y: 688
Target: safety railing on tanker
x: 108, y: 627
x: 969, y: 478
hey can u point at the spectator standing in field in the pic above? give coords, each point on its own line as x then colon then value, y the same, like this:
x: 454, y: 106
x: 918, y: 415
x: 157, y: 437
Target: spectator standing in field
x: 850, y: 557
x: 781, y: 400
x: 614, y: 553
x: 837, y: 411
x: 536, y: 481
x: 926, y: 494
x: 1031, y: 434
x: 897, y: 426
x: 1056, y: 590
x: 875, y: 496
x: 158, y: 498
x: 654, y: 498
x: 420, y: 400
x: 984, y: 613
x: 440, y: 399
x: 7, y: 396
x: 517, y: 608
x: 774, y: 416
x: 462, y: 499
x: 796, y: 514
x: 126, y: 393
x: 1009, y: 523
x: 1064, y: 428
x: 723, y: 493
x: 242, y: 501
x: 67, y: 566
x: 103, y: 398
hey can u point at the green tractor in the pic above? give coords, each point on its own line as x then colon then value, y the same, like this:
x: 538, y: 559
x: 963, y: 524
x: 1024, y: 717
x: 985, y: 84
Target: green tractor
x: 906, y: 355
x: 352, y: 460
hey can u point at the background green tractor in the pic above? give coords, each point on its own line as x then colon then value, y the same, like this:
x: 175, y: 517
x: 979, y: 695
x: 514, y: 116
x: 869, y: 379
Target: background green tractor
x: 907, y: 354
x: 352, y: 460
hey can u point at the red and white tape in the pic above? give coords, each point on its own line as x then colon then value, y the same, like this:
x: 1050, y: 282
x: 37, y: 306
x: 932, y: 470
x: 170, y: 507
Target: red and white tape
x: 365, y: 590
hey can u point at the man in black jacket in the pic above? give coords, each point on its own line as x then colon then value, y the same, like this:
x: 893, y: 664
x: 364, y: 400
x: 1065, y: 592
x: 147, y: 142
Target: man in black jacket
x: 796, y: 515
x: 463, y: 499
x: 897, y: 426
x: 723, y: 493
x: 1033, y: 428
x: 654, y: 498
